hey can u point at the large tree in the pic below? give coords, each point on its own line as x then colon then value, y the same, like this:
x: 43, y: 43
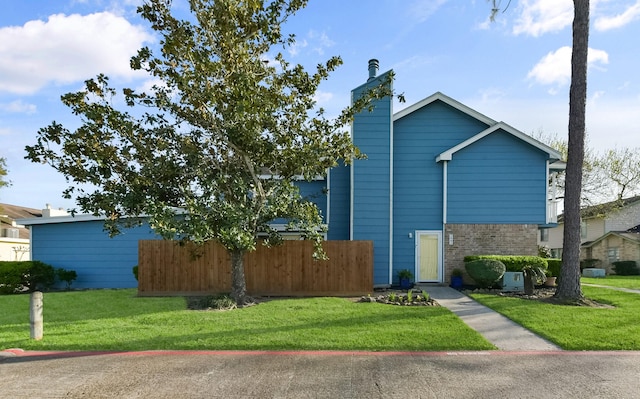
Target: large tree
x: 621, y: 169
x: 607, y: 177
x: 3, y: 173
x: 226, y: 131
x: 569, y: 285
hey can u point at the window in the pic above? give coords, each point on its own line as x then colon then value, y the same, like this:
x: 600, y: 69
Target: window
x: 583, y: 229
x: 613, y: 254
x: 544, y: 235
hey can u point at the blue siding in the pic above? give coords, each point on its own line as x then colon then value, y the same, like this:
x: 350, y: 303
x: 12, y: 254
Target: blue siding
x: 339, y: 194
x: 417, y: 202
x: 100, y: 261
x: 371, y: 179
x: 315, y: 191
x: 499, y: 179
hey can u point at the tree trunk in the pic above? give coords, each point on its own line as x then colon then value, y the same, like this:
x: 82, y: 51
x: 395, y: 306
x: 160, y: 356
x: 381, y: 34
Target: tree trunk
x: 569, y: 285
x: 528, y: 284
x: 238, y: 282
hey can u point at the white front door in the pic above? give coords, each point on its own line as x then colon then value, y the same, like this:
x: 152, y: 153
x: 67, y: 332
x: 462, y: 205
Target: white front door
x: 429, y: 256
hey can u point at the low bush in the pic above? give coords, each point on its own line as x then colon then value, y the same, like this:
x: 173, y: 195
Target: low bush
x: 135, y: 272
x: 589, y: 263
x: 20, y: 276
x: 485, y: 272
x: 68, y: 276
x: 553, y: 266
x: 626, y: 268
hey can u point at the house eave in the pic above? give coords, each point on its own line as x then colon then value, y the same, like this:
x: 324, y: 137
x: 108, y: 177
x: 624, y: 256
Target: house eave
x: 553, y: 154
x: 438, y: 96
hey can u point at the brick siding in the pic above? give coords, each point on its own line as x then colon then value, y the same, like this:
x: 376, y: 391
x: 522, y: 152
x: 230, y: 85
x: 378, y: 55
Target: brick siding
x: 487, y: 239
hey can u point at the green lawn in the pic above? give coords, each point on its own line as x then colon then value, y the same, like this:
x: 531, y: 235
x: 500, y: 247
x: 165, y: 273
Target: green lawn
x: 632, y: 282
x: 577, y: 327
x: 119, y: 320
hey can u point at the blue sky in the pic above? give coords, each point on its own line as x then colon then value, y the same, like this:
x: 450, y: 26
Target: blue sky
x: 514, y: 70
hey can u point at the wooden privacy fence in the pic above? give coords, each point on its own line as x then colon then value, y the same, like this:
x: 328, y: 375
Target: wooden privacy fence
x: 166, y: 268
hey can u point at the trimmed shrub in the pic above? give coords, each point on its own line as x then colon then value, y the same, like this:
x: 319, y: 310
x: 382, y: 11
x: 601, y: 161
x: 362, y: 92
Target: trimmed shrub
x: 589, y: 263
x: 68, y: 276
x: 626, y: 268
x: 19, y: 276
x: 553, y: 265
x: 485, y: 272
x: 513, y: 263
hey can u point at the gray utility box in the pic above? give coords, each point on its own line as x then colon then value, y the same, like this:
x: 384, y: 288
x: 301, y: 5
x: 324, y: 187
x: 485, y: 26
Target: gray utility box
x: 513, y: 281
x: 593, y: 272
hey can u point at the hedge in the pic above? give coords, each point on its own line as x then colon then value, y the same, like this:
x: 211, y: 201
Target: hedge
x: 554, y: 265
x: 512, y: 263
x: 32, y: 275
x: 626, y: 268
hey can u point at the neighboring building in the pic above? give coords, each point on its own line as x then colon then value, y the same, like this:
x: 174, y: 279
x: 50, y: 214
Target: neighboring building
x: 596, y: 221
x: 613, y: 246
x: 441, y: 181
x: 14, y: 237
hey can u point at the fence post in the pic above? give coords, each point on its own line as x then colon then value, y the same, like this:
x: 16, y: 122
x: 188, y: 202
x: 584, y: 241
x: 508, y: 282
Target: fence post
x: 35, y: 315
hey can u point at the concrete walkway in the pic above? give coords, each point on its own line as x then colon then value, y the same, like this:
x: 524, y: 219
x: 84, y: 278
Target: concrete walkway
x: 497, y: 329
x: 629, y: 290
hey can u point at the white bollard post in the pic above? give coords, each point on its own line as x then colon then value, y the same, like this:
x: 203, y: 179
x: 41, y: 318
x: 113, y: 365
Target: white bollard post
x: 35, y: 315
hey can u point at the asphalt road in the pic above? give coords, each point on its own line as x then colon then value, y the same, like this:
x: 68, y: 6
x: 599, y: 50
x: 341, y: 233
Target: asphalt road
x: 492, y: 374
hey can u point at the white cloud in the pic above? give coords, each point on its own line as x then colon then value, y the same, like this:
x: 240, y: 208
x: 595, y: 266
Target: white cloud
x: 323, y: 97
x: 537, y: 17
x: 295, y: 48
x: 630, y: 14
x: 18, y: 106
x: 323, y: 41
x: 555, y: 67
x: 421, y: 10
x: 595, y: 97
x: 67, y: 49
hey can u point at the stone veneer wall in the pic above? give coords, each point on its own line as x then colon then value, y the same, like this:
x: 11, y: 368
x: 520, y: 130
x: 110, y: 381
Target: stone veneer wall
x: 486, y: 239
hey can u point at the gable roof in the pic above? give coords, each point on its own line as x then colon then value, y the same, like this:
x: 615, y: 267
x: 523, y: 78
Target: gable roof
x: 448, y: 154
x: 628, y: 235
x: 601, y: 210
x: 438, y: 96
x: 12, y: 213
x: 493, y: 127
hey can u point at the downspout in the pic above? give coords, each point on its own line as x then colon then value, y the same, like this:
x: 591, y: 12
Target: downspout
x: 351, y: 188
x: 328, y: 188
x: 547, y: 210
x: 445, y: 185
x: 391, y: 195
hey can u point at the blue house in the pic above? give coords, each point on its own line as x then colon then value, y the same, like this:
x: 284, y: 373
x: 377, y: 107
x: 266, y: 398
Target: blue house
x: 441, y: 181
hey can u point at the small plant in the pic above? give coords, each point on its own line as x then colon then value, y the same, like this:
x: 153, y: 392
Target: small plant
x: 135, y: 272
x: 405, y: 274
x: 410, y: 296
x: 456, y: 272
x: 392, y: 297
x: 425, y: 296
x: 68, y: 276
x: 222, y: 302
